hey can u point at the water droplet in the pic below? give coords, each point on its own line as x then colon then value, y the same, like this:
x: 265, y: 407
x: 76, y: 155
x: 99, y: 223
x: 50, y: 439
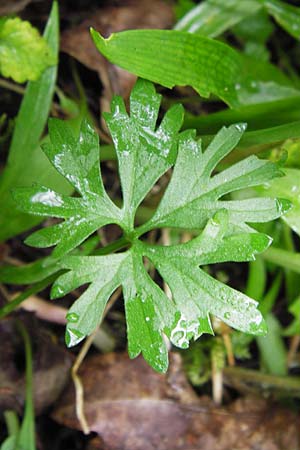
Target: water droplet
x: 73, y: 337
x: 72, y: 317
x: 240, y: 126
x: 237, y: 86
x: 253, y: 84
x: 147, y: 319
x: 49, y: 198
x: 57, y: 291
x: 225, y: 88
x: 227, y: 315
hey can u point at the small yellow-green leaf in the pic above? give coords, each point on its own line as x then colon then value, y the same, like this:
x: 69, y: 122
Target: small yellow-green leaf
x: 24, y: 53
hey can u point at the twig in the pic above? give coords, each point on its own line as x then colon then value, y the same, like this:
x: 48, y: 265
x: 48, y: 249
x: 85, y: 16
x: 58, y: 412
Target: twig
x: 12, y: 86
x: 79, y: 390
x: 293, y: 348
x: 229, y: 350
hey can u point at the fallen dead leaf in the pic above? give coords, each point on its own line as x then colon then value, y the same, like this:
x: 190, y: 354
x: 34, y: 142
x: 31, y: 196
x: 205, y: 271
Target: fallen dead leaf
x: 10, y: 7
x: 51, y: 365
x: 131, y: 407
x: 131, y: 14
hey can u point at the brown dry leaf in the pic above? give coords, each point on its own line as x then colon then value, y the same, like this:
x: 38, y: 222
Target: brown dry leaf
x: 130, y: 14
x: 9, y: 7
x: 131, y: 407
x: 51, y: 365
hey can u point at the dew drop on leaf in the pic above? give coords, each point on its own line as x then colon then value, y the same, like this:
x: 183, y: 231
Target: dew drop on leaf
x: 72, y: 317
x: 73, y: 337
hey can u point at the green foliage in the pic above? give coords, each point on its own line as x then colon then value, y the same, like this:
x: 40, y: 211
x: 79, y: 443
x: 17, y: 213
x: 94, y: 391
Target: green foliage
x: 286, y: 15
x: 294, y: 328
x: 24, y: 54
x: 194, y: 199
x: 287, y: 187
x: 209, y: 66
x: 213, y: 17
x: 26, y: 162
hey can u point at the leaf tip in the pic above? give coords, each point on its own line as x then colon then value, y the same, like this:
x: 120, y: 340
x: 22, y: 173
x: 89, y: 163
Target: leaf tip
x: 258, y: 326
x: 240, y: 127
x: 260, y: 242
x: 283, y: 205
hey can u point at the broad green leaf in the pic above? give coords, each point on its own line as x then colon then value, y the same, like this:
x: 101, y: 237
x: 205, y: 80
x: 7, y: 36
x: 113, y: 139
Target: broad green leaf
x: 212, y: 17
x: 193, y: 199
x: 209, y: 66
x: 24, y: 54
x: 26, y: 162
x: 287, y: 187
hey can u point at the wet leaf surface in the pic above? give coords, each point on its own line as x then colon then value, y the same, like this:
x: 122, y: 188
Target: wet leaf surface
x: 194, y: 199
x: 51, y: 365
x: 133, y: 408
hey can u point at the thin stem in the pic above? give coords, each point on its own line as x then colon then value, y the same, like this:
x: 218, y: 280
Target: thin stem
x: 37, y: 287
x: 113, y: 247
x: 27, y: 432
x: 79, y: 392
x: 12, y: 86
x: 281, y: 384
x: 79, y: 389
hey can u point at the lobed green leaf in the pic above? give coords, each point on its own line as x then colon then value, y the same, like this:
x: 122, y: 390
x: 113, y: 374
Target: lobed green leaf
x: 193, y: 199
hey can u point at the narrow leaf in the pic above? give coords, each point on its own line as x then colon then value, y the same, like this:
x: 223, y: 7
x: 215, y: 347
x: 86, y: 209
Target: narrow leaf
x: 209, y: 66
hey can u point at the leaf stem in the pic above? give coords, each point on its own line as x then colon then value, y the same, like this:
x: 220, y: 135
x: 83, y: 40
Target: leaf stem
x: 27, y: 431
x: 242, y: 377
x: 113, y: 247
x: 37, y: 287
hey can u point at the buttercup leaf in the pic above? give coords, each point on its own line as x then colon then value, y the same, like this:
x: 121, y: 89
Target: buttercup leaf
x: 194, y: 199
